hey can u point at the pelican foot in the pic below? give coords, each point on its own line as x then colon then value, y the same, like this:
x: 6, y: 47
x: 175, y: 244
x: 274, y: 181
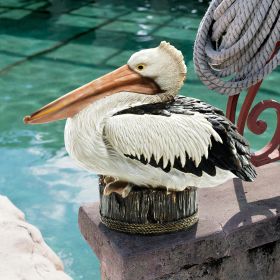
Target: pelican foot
x: 114, y: 185
x: 109, y: 179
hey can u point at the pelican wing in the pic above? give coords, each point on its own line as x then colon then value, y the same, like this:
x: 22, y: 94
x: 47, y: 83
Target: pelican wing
x: 185, y: 134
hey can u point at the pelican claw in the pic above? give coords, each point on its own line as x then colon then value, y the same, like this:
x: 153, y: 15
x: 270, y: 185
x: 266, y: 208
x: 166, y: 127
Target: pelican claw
x: 112, y: 184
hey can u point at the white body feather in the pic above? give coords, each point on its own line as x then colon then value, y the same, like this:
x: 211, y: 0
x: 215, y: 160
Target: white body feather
x: 97, y: 140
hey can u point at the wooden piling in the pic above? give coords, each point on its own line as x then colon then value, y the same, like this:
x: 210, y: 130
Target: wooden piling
x: 149, y: 211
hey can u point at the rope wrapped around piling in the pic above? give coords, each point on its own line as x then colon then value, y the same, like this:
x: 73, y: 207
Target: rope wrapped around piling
x: 234, y: 43
x: 148, y: 211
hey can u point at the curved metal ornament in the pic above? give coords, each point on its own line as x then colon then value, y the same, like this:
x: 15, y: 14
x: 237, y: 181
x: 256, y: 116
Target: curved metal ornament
x: 271, y: 151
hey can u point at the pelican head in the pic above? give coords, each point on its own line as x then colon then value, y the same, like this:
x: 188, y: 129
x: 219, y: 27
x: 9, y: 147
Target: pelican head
x: 164, y: 65
x: 154, y: 71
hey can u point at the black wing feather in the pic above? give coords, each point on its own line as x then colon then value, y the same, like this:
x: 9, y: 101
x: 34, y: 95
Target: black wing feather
x: 233, y: 154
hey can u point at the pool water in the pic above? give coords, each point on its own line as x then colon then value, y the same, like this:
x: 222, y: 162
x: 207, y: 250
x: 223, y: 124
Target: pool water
x: 48, y: 48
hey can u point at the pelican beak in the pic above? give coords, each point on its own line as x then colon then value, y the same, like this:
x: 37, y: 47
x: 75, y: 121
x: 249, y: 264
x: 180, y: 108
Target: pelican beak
x: 122, y: 79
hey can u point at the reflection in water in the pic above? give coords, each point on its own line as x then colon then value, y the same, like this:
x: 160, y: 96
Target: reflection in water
x: 49, y: 189
x: 60, y: 170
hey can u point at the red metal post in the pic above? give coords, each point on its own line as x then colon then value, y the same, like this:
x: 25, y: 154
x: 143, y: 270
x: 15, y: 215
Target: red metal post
x: 271, y: 151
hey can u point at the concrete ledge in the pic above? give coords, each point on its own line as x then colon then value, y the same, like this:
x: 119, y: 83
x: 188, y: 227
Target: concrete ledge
x: 238, y: 222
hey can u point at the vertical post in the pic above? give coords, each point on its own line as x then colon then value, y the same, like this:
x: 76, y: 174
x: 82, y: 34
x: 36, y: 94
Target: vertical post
x: 249, y: 115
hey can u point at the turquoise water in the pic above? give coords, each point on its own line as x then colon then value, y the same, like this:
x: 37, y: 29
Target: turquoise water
x: 48, y: 48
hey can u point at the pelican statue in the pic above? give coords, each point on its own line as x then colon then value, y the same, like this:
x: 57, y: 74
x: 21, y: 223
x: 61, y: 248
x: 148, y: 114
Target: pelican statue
x: 132, y: 127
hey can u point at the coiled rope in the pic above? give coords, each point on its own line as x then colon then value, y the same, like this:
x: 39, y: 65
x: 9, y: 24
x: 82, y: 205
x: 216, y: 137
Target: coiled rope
x: 149, y: 228
x: 234, y: 43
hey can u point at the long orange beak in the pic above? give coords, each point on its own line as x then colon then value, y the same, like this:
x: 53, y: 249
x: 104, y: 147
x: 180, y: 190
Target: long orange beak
x: 122, y: 79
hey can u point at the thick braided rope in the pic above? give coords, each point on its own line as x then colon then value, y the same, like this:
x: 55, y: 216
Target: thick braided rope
x: 234, y: 43
x: 148, y: 229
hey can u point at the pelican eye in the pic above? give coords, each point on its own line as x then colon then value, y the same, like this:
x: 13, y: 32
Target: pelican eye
x: 140, y: 67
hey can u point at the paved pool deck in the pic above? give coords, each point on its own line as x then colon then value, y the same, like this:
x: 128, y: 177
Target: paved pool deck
x: 235, y: 219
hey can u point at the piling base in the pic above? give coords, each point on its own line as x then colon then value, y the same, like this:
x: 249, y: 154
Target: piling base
x: 149, y: 211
